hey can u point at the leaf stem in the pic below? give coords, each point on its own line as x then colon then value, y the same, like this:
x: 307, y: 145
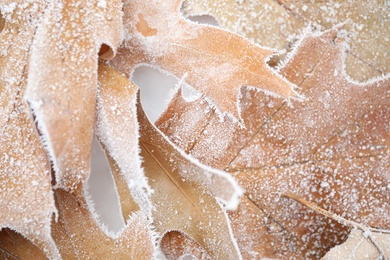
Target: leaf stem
x: 366, y: 231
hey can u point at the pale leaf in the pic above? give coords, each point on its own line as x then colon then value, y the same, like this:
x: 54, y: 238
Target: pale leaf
x: 358, y: 247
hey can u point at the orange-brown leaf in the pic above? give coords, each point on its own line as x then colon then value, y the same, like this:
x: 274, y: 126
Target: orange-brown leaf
x: 211, y: 60
x: 26, y: 198
x: 185, y: 192
x: 62, y: 79
x: 331, y: 148
x: 77, y: 227
x: 187, y: 196
x: 278, y: 24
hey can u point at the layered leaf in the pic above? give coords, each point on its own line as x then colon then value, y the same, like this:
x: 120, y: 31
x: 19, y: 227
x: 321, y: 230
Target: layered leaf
x: 62, y: 91
x: 367, y: 22
x: 26, y: 198
x: 331, y: 148
x: 187, y: 196
x: 278, y: 24
x: 118, y: 131
x: 211, y: 60
x: 79, y: 236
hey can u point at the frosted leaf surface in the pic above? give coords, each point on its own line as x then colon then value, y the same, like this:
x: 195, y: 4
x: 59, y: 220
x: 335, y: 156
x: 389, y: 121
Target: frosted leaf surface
x: 368, y: 26
x: 175, y: 245
x: 26, y: 198
x: 78, y: 235
x: 117, y: 129
x: 217, y: 63
x: 278, y: 24
x: 358, y: 247
x: 62, y: 91
x: 264, y: 22
x: 331, y: 148
x: 188, y: 197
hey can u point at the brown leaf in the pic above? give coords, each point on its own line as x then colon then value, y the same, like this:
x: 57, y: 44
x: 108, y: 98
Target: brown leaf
x: 78, y: 235
x: 188, y: 196
x: 205, y: 56
x: 14, y: 246
x: 264, y: 22
x: 175, y: 245
x: 185, y: 192
x: 118, y: 131
x: 62, y: 79
x: 368, y: 24
x: 331, y: 148
x: 278, y: 24
x: 26, y: 198
x: 76, y: 232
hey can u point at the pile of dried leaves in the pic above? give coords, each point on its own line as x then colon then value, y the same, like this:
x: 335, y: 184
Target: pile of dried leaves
x: 282, y: 156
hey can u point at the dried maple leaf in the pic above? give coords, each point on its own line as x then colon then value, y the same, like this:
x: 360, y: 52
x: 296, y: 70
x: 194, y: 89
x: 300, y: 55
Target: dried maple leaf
x: 62, y: 94
x: 278, y: 23
x: 158, y: 34
x: 331, y: 148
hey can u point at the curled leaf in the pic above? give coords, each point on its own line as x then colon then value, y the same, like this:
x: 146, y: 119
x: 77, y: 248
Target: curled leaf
x: 62, y: 91
x: 331, y: 148
x: 213, y: 61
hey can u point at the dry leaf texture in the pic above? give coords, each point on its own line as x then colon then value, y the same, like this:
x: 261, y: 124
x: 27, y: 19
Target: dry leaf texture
x: 331, y: 148
x: 159, y: 35
x: 278, y: 24
x: 189, y: 197
x: 185, y: 191
x: 26, y: 198
x: 62, y: 94
x: 357, y: 247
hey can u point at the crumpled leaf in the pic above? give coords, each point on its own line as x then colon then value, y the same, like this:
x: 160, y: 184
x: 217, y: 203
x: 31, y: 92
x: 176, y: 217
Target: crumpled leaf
x: 331, y: 149
x: 264, y: 22
x: 184, y: 191
x: 278, y: 24
x: 158, y: 34
x: 358, y: 247
x: 26, y: 198
x: 78, y: 235
x: 117, y: 129
x: 368, y: 27
x: 188, y: 196
x: 62, y: 92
